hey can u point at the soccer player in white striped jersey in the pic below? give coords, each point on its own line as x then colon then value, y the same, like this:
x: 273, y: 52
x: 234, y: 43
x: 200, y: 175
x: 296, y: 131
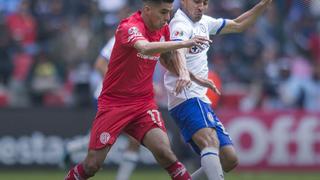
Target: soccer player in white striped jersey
x: 191, y: 108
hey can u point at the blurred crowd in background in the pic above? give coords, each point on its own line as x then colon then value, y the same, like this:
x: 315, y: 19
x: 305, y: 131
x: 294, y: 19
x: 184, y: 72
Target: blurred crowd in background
x: 48, y: 49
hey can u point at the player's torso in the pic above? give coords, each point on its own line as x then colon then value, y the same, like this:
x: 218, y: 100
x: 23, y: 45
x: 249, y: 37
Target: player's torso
x: 130, y: 73
x: 132, y: 66
x: 196, y: 58
x: 196, y: 61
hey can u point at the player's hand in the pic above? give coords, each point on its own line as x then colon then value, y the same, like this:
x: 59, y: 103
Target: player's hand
x: 183, y: 81
x: 207, y: 83
x: 197, y: 41
x: 265, y: 2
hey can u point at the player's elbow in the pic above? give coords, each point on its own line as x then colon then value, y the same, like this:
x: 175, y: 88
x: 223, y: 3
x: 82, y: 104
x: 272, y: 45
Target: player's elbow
x: 101, y: 65
x: 145, y: 49
x: 167, y: 61
x: 97, y: 64
x: 238, y: 27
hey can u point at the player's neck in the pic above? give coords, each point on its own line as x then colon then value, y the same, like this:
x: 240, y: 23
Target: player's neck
x: 147, y: 22
x: 187, y: 14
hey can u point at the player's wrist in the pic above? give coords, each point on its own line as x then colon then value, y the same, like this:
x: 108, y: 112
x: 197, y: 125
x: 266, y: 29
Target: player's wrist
x: 183, y: 44
x: 184, y: 72
x: 262, y: 5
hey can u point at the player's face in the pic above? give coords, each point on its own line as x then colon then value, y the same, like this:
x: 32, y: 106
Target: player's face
x: 158, y: 15
x: 195, y: 8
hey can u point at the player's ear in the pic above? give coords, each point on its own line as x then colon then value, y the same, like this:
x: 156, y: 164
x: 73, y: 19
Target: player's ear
x: 146, y: 8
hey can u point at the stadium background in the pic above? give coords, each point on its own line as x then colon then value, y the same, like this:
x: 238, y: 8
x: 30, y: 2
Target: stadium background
x: 270, y: 83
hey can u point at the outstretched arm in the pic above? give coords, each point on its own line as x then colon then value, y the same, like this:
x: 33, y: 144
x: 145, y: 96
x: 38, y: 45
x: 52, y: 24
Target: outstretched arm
x: 245, y: 20
x: 149, y: 48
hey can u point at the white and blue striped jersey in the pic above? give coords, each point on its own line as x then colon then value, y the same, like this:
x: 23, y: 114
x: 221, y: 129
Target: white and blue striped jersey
x: 183, y: 28
x: 105, y: 53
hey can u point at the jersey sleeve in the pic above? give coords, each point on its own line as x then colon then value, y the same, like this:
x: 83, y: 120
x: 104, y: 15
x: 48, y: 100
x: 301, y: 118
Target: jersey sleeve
x: 107, y: 49
x: 129, y: 34
x: 179, y: 31
x: 215, y: 25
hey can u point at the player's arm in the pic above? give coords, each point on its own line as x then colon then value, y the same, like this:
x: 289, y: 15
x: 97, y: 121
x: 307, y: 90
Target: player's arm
x: 150, y: 48
x: 101, y: 65
x: 205, y: 83
x: 131, y: 35
x: 174, y: 62
x: 170, y: 61
x: 102, y: 61
x: 245, y: 20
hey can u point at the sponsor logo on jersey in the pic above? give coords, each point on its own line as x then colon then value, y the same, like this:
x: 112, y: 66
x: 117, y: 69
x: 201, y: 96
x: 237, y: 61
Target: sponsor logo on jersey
x: 148, y: 57
x: 104, y: 137
x: 196, y: 50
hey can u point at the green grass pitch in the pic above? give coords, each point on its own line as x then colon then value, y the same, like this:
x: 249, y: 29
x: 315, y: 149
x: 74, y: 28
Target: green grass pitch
x: 152, y: 175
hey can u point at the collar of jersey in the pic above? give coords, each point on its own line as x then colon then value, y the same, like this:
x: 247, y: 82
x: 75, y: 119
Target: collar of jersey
x: 186, y: 16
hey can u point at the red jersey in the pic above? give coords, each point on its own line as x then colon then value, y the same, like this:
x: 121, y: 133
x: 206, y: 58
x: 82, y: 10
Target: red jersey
x: 130, y: 73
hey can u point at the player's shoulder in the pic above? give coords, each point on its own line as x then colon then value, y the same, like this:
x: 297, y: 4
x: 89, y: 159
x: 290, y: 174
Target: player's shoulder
x: 180, y: 21
x: 208, y: 19
x: 211, y: 20
x: 133, y: 21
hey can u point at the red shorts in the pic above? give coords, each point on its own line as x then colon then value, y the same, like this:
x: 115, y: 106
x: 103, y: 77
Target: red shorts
x: 135, y: 120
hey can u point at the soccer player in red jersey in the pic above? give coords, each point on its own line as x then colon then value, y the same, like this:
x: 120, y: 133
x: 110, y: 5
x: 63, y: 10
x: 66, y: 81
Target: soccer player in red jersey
x: 126, y: 103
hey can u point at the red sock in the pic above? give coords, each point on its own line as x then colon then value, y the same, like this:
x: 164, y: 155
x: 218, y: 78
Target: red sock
x: 177, y: 171
x: 77, y: 173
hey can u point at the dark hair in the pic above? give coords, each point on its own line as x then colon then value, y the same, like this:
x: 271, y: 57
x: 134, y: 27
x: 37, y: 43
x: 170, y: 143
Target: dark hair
x: 157, y: 1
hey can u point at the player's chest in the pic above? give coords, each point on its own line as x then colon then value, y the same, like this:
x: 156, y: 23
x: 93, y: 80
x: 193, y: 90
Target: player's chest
x: 200, y: 29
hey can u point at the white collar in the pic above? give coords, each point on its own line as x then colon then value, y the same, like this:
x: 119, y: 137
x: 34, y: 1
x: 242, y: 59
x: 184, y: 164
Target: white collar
x: 186, y: 16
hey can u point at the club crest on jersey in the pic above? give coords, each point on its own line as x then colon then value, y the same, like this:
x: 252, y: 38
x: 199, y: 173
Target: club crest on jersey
x: 104, y: 138
x: 203, y: 28
x: 210, y: 117
x: 133, y: 31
